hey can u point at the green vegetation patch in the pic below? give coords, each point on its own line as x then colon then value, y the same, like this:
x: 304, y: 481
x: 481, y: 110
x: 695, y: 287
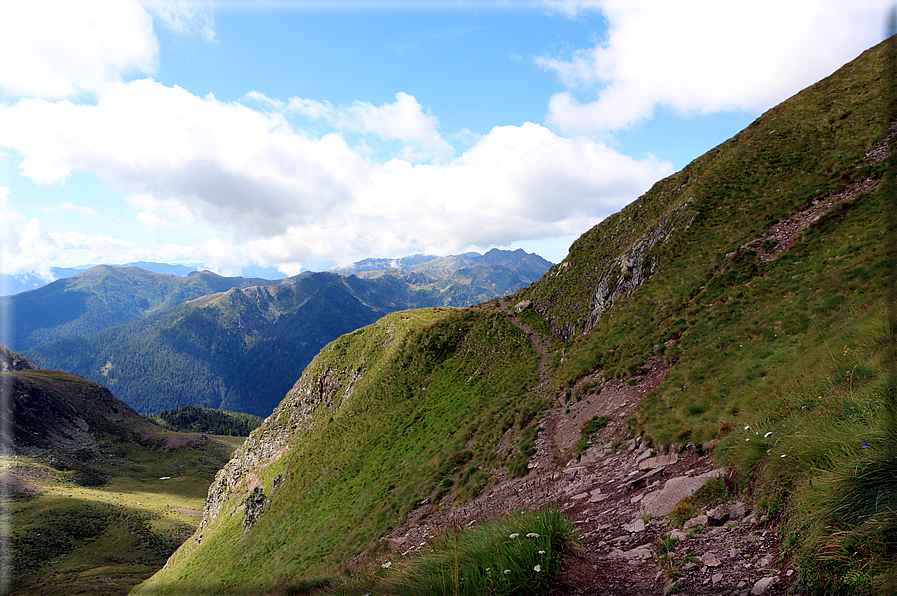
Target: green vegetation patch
x: 522, y: 554
x: 206, y: 420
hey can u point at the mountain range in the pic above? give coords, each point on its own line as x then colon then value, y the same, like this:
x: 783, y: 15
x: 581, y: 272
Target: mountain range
x: 162, y: 341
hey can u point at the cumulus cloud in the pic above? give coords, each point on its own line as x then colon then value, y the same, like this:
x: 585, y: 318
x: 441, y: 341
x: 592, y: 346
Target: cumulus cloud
x: 222, y: 161
x: 292, y: 199
x: 56, y: 49
x: 702, y: 56
x: 403, y: 120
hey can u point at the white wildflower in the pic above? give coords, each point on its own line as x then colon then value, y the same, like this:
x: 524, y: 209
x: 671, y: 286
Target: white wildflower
x: 537, y: 568
x: 766, y: 436
x: 783, y: 455
x: 506, y: 571
x: 532, y: 535
x: 541, y: 552
x: 514, y: 535
x: 747, y: 427
x: 386, y: 565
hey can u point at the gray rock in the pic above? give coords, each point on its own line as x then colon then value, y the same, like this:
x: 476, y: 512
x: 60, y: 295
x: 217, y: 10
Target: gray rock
x: 762, y: 585
x: 718, y: 516
x: 636, y: 526
x: 663, y: 501
x: 659, y: 461
x: 522, y: 306
x: 738, y: 511
x: 717, y: 578
x: 677, y: 534
x: 699, y: 520
x: 256, y: 503
x: 710, y: 560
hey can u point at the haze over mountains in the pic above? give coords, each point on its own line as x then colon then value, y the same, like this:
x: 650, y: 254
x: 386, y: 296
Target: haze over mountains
x: 161, y: 341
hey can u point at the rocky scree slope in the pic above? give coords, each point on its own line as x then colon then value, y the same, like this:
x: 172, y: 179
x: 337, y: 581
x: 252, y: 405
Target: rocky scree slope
x: 675, y: 323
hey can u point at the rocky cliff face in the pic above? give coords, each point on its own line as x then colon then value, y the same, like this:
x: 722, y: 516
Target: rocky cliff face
x: 10, y: 361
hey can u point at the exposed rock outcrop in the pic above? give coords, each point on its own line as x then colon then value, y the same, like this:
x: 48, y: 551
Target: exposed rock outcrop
x: 11, y: 362
x: 624, y: 274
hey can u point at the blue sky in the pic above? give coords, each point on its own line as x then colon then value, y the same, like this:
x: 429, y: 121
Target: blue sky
x: 290, y: 134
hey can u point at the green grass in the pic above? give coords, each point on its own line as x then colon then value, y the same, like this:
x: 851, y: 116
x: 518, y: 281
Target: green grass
x: 589, y: 428
x: 522, y: 554
x: 72, y: 537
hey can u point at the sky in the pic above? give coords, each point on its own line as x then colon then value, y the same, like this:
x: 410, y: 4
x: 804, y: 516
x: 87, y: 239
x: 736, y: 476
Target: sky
x: 278, y: 136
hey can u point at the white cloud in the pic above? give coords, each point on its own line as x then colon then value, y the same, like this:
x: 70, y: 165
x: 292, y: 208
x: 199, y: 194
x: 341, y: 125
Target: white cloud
x: 25, y: 247
x: 185, y: 16
x: 224, y: 162
x: 403, y: 120
x: 294, y: 200
x: 56, y: 49
x: 703, y: 56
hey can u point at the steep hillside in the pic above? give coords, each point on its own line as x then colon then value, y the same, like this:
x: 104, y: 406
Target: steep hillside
x: 736, y: 311
x: 97, y: 497
x: 213, y: 351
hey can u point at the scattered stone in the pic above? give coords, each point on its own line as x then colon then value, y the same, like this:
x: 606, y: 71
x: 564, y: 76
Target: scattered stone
x: 741, y: 584
x: 663, y: 501
x: 762, y: 585
x: 636, y: 526
x: 718, y: 516
x: 764, y: 561
x: 717, y: 578
x: 522, y: 306
x: 689, y: 566
x: 579, y: 496
x: 678, y: 535
x: 658, y: 461
x: 698, y: 520
x: 710, y: 560
x: 738, y: 511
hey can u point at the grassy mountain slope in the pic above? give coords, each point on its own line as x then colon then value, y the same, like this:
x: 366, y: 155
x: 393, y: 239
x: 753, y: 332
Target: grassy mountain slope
x: 97, y: 497
x: 212, y: 351
x: 758, y: 274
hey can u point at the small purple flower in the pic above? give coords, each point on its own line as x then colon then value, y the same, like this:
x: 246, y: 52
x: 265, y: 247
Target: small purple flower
x: 865, y: 444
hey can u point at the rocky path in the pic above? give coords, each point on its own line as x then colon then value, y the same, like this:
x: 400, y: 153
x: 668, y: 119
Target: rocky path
x: 620, y: 494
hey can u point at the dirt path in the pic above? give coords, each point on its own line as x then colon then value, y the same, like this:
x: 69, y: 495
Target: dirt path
x: 619, y: 493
